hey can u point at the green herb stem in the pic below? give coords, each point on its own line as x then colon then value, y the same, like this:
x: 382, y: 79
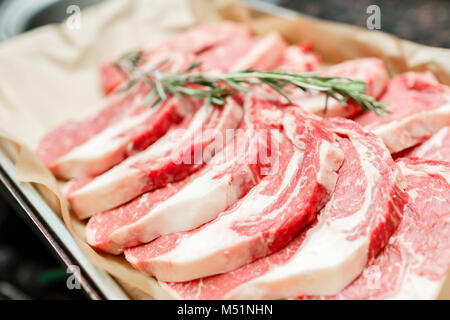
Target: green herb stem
x: 216, y: 88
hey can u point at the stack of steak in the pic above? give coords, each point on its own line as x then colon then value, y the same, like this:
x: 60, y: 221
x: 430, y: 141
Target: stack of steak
x: 260, y: 199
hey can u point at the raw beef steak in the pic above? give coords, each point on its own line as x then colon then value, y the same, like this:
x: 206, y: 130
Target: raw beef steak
x: 435, y: 148
x: 207, y: 36
x: 244, y: 53
x: 125, y: 125
x: 179, y: 153
x: 299, y: 58
x: 261, y: 223
x: 101, y: 227
x: 419, y: 107
x: 198, y: 198
x: 415, y: 262
x: 370, y: 70
x: 356, y: 223
x: 194, y: 41
x: 71, y: 134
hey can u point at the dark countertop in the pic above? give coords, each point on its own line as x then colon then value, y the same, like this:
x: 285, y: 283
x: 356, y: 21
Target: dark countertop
x: 29, y: 269
x: 422, y: 21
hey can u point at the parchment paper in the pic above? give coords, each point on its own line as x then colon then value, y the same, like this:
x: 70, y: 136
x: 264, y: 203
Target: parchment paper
x: 50, y: 75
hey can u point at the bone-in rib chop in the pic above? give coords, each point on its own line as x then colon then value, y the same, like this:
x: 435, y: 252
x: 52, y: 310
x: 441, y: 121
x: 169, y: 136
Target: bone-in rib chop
x: 199, y: 198
x: 436, y: 148
x: 123, y: 126
x: 419, y: 107
x: 263, y: 222
x: 194, y: 41
x: 356, y: 223
x: 415, y: 262
x: 179, y: 153
x: 370, y: 70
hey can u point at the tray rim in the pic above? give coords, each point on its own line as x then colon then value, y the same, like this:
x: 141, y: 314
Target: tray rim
x: 96, y: 283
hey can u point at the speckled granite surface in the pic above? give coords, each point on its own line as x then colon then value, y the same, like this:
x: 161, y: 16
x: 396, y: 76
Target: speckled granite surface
x: 422, y: 21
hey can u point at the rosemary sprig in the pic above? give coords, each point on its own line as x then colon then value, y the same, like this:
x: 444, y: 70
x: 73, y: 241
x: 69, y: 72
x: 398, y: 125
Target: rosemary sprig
x: 129, y: 62
x: 215, y: 88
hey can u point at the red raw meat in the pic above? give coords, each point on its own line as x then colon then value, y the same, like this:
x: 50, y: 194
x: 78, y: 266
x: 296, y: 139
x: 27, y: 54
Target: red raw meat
x: 436, y: 148
x: 201, y: 197
x: 299, y: 58
x: 415, y: 262
x: 194, y: 41
x: 419, y: 107
x: 261, y: 223
x: 91, y: 146
x: 262, y: 53
x: 356, y: 223
x: 179, y: 153
x: 370, y: 70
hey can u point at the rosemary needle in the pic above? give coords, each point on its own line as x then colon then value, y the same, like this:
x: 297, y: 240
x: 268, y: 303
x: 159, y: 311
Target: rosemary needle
x: 215, y: 88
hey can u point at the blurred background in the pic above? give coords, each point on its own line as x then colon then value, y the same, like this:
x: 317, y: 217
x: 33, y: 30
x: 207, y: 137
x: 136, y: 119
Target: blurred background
x: 28, y: 267
x: 423, y: 21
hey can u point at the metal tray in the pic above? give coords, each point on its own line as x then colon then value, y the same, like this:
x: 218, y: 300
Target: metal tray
x: 25, y: 198
x: 97, y: 284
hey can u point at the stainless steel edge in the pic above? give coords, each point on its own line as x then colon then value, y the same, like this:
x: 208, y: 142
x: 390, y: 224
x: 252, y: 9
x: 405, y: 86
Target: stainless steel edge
x: 95, y: 282
x: 270, y: 8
